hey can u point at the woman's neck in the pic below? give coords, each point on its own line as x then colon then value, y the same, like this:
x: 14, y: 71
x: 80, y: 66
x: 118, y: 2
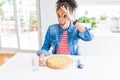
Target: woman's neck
x: 66, y: 27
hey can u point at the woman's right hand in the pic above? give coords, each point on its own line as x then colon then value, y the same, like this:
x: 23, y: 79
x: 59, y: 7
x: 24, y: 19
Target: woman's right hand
x: 42, y: 60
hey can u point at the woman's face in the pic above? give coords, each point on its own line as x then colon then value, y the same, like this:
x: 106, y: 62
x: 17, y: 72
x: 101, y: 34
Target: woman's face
x: 62, y: 19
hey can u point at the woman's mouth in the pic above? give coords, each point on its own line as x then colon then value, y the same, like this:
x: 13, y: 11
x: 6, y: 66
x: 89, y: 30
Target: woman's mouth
x: 62, y: 24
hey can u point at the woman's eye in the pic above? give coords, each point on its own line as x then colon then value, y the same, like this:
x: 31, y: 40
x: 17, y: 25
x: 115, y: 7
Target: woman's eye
x: 58, y: 16
x: 64, y: 16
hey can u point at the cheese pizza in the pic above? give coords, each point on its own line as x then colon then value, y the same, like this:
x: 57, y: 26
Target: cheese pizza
x: 59, y: 62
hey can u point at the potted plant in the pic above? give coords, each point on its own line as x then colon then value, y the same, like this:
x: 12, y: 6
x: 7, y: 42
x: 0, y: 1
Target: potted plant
x: 88, y: 22
x: 33, y: 22
x: 1, y: 11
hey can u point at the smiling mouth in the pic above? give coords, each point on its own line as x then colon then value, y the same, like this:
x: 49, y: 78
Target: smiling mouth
x: 62, y: 24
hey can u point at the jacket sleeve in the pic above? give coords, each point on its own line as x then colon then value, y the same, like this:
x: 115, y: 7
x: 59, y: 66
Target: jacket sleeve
x: 46, y: 46
x: 86, y: 36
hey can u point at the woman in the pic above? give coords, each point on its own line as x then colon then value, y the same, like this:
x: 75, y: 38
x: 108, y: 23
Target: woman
x: 64, y: 36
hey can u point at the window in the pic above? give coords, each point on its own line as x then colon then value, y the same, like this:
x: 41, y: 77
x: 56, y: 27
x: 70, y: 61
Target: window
x: 18, y: 24
x: 27, y: 21
x: 7, y: 25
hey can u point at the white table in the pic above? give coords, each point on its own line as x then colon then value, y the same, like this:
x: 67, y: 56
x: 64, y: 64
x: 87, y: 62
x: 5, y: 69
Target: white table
x: 95, y: 68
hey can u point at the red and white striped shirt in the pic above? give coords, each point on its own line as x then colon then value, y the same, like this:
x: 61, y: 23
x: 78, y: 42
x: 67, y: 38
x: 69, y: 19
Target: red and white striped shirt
x: 64, y: 48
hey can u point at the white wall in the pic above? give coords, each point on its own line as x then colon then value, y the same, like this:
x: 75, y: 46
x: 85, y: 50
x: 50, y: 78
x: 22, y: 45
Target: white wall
x: 101, y: 46
x: 48, y: 14
x: 98, y: 2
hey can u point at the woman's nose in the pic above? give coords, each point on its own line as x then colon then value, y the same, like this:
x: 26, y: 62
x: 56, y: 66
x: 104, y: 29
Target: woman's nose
x: 61, y: 19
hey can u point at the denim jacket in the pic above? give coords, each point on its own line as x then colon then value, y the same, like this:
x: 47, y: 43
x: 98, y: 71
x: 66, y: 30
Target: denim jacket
x: 54, y: 35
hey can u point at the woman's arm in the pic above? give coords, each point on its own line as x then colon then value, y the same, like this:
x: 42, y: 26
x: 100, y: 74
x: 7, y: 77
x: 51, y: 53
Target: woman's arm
x: 79, y: 26
x: 46, y: 46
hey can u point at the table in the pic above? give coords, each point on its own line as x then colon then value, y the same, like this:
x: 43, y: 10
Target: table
x: 95, y: 68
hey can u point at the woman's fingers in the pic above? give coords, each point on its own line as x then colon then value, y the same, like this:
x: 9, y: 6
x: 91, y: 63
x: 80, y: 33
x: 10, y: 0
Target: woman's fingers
x: 42, y: 62
x: 67, y: 13
x: 64, y: 9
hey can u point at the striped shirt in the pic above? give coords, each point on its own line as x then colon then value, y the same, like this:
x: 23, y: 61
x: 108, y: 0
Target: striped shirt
x: 64, y: 48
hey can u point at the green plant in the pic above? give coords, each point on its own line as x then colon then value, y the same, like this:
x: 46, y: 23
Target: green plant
x: 93, y: 23
x: 1, y: 11
x: 84, y: 19
x: 103, y: 17
x: 33, y: 21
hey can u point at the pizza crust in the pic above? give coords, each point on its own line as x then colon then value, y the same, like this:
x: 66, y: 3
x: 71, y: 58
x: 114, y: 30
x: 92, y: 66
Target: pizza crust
x: 59, y: 62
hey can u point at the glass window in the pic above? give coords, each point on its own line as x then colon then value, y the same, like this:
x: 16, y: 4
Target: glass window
x: 27, y: 19
x: 7, y: 25
x: 18, y: 24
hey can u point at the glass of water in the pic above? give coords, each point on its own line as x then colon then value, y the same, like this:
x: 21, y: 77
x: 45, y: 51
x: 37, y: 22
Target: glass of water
x: 35, y: 63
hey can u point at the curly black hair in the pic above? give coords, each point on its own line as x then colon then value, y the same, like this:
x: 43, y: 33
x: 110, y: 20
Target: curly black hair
x: 71, y: 4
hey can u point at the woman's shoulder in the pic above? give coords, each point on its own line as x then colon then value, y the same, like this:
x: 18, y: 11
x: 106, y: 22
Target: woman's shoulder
x: 54, y: 28
x: 54, y: 25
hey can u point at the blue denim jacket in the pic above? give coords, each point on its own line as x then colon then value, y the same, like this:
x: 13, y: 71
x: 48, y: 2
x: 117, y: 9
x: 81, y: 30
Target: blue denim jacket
x: 54, y: 35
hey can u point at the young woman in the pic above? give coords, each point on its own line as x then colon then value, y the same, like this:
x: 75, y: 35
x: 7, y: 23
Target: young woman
x: 64, y: 37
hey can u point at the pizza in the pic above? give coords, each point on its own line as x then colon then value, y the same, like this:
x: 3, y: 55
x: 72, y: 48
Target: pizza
x: 59, y: 62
